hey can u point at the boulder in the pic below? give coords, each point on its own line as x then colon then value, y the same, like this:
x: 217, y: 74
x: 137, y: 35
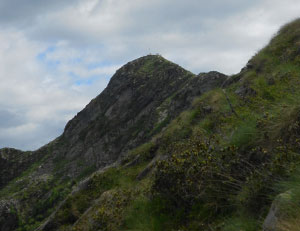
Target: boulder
x: 277, y: 212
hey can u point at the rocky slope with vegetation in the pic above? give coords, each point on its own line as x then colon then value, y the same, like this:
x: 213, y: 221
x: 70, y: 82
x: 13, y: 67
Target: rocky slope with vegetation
x: 163, y: 149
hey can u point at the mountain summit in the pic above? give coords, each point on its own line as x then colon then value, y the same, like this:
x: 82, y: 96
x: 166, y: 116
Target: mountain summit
x: 141, y: 98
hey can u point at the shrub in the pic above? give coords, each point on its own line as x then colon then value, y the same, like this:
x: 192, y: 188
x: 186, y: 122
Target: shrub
x: 199, y: 175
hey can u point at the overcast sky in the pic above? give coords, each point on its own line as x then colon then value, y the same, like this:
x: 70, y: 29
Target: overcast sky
x: 56, y: 55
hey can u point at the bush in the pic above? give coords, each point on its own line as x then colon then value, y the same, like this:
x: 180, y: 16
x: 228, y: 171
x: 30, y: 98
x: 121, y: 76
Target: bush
x: 199, y: 175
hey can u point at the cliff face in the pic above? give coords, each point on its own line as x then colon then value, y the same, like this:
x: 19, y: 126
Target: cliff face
x: 12, y: 163
x: 125, y: 114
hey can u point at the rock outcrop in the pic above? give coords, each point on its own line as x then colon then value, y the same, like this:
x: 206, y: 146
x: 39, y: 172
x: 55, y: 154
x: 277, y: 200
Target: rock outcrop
x: 12, y: 163
x: 8, y: 216
x: 141, y: 94
x: 278, y: 212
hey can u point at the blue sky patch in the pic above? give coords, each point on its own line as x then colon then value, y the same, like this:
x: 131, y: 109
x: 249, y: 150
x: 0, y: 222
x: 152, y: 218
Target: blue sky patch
x: 95, y: 65
x: 42, y: 57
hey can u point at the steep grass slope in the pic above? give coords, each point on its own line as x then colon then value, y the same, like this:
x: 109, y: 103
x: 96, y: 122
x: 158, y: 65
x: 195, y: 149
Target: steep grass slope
x: 213, y: 153
x: 220, y: 164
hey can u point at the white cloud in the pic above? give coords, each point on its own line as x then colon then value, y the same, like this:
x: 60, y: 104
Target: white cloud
x: 44, y: 100
x: 57, y: 55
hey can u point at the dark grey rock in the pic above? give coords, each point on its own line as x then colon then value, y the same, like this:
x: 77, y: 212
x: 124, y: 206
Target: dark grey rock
x: 13, y: 162
x: 245, y: 91
x: 248, y: 67
x: 270, y: 81
x: 8, y: 215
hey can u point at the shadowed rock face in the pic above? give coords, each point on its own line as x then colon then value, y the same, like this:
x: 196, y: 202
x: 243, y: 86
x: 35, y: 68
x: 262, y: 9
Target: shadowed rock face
x: 121, y: 115
x: 8, y: 216
x: 124, y: 114
x: 12, y: 163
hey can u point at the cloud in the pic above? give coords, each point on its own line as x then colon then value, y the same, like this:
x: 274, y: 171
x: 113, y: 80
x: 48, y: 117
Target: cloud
x: 9, y: 118
x: 23, y: 13
x: 55, y: 56
x: 35, y: 99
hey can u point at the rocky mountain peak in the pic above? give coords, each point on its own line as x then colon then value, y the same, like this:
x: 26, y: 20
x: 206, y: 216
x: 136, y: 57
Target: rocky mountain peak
x: 141, y: 99
x: 125, y: 113
x: 143, y: 95
x: 135, y: 85
x: 147, y: 69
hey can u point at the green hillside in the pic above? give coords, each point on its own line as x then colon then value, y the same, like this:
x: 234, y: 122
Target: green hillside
x: 206, y: 152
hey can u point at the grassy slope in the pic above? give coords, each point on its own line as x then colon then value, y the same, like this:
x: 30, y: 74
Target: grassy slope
x: 225, y: 164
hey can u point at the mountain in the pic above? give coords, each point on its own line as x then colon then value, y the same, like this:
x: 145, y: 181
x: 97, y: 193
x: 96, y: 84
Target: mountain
x: 163, y: 149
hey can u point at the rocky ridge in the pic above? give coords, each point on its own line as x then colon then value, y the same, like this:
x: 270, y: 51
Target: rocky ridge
x: 141, y: 99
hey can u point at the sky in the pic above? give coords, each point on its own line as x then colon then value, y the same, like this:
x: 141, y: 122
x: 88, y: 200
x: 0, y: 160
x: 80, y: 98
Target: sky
x: 57, y: 55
